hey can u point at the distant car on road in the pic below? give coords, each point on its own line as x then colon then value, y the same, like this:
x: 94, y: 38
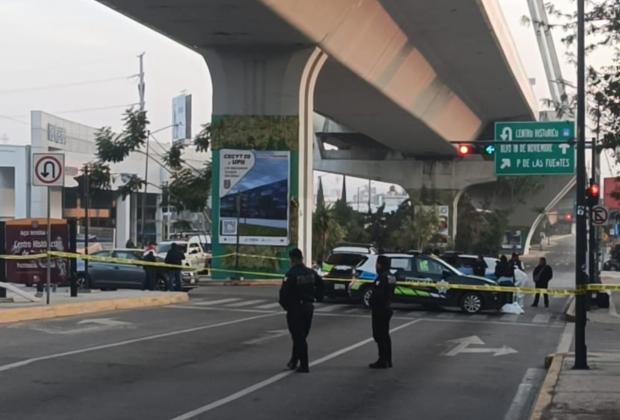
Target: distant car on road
x: 465, y: 263
x: 439, y: 275
x: 341, y: 264
x: 195, y: 255
x: 107, y: 276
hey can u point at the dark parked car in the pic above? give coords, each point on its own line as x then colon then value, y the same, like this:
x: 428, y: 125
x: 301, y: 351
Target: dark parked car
x: 108, y: 276
x: 439, y: 275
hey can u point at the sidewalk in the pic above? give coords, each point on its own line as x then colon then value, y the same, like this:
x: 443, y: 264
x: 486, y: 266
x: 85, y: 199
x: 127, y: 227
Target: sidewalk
x: 62, y: 304
x: 587, y: 394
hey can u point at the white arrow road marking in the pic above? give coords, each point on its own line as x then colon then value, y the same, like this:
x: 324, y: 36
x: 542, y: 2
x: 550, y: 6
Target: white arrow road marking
x: 506, y: 133
x: 107, y: 322
x: 463, y: 346
x: 269, y: 335
x: 506, y: 164
x: 85, y: 325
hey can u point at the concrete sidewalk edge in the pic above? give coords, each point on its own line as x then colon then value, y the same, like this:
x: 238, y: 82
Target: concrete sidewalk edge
x: 569, y: 310
x: 91, y: 307
x: 240, y: 282
x: 547, y: 390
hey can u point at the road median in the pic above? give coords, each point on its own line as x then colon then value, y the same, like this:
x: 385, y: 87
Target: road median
x: 90, y: 306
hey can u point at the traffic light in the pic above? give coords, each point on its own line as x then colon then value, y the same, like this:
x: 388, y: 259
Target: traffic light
x: 465, y: 149
x: 487, y: 151
x: 593, y: 194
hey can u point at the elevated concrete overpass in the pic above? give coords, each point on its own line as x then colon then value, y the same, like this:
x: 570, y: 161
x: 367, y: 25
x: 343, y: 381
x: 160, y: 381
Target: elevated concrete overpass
x: 411, y: 76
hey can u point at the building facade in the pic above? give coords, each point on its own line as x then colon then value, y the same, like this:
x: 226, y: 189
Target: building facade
x: 113, y: 219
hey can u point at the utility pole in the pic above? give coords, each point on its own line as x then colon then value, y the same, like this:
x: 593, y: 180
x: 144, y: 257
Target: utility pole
x: 581, y: 357
x: 369, y: 195
x: 141, y: 90
x: 86, y: 190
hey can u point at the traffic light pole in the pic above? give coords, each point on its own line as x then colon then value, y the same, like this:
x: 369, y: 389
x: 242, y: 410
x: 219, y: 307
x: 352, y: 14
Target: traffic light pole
x: 581, y: 357
x: 592, y: 229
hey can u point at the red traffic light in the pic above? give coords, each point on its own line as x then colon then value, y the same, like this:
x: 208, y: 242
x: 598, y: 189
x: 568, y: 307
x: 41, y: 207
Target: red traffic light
x: 465, y: 149
x: 594, y: 191
x: 568, y: 217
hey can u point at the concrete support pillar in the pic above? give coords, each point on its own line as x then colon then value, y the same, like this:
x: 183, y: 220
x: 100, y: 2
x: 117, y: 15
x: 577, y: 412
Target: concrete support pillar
x: 263, y: 99
x: 123, y: 221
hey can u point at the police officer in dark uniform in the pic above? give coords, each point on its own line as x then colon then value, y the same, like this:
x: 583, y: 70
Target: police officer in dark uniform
x: 380, y: 305
x: 300, y: 288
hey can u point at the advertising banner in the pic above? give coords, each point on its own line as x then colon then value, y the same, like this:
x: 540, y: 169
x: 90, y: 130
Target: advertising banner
x: 254, y: 197
x: 28, y: 237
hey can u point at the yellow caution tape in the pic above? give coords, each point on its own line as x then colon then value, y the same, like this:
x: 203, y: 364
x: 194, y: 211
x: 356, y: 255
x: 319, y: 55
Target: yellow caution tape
x: 440, y: 286
x: 123, y: 261
x: 24, y: 257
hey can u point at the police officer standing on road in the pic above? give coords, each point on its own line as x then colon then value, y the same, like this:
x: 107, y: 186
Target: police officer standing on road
x: 380, y: 305
x: 299, y: 289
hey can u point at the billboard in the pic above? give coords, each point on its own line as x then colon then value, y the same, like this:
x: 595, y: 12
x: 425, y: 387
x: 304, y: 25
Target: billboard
x: 181, y: 118
x: 28, y: 237
x: 254, y: 197
x: 612, y: 193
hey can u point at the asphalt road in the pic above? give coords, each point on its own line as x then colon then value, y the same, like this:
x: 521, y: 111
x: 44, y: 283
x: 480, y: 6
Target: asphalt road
x: 221, y: 356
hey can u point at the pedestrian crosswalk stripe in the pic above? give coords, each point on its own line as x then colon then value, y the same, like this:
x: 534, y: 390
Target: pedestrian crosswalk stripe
x: 269, y: 306
x: 327, y: 308
x: 542, y: 318
x: 510, y: 318
x: 245, y: 303
x: 446, y: 315
x: 217, y: 302
x: 354, y: 311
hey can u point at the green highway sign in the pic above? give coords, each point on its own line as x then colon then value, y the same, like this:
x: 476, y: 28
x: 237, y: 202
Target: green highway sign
x: 534, y: 148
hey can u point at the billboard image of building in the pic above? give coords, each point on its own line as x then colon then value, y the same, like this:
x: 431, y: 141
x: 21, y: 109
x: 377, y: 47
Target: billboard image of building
x: 254, y: 197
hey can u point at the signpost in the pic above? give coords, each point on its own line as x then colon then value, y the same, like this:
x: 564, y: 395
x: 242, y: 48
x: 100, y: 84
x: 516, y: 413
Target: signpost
x: 48, y: 170
x: 534, y: 148
x: 599, y: 215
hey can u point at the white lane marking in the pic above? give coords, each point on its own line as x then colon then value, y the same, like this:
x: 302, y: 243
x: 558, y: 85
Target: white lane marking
x: 26, y: 362
x: 541, y: 318
x: 252, y: 388
x: 245, y: 303
x: 525, y: 392
x: 217, y: 302
x: 268, y: 335
x: 269, y: 306
x: 446, y: 315
x: 566, y: 339
x: 328, y: 308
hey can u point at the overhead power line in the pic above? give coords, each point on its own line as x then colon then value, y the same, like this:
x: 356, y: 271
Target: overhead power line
x: 62, y: 85
x: 7, y: 117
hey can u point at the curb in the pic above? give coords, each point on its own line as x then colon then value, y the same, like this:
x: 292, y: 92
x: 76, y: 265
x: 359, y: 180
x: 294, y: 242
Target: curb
x: 545, y: 395
x: 569, y: 310
x: 72, y: 309
x: 211, y: 283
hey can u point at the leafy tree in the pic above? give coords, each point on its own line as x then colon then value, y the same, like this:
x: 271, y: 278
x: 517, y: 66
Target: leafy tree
x: 189, y: 187
x: 418, y: 229
x: 326, y: 232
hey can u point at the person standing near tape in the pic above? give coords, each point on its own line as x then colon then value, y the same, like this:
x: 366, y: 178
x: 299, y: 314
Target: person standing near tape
x: 150, y: 272
x: 381, y: 309
x: 543, y: 273
x: 174, y: 256
x: 299, y: 289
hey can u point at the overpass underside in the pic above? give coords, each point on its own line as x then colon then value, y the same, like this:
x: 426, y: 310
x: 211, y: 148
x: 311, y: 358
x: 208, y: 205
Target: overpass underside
x: 411, y: 76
